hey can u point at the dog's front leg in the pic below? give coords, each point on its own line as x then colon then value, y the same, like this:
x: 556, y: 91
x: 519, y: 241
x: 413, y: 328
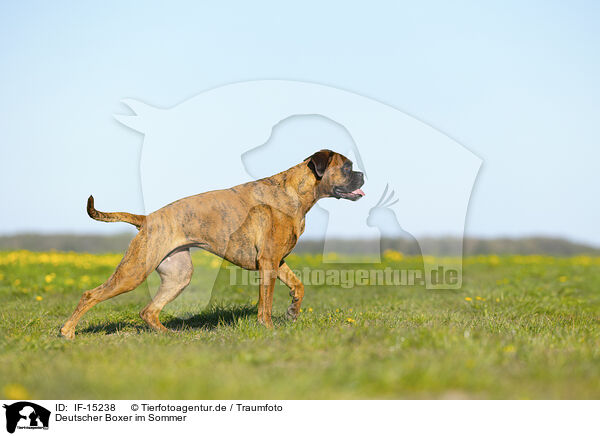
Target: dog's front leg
x: 268, y: 274
x: 287, y: 276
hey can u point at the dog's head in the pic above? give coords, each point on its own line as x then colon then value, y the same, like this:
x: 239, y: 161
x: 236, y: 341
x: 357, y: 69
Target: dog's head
x: 335, y: 176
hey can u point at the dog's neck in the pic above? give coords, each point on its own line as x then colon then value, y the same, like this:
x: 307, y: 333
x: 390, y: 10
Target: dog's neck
x: 301, y: 184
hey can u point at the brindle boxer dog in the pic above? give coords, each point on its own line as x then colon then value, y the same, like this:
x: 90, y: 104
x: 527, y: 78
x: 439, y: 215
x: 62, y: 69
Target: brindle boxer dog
x: 254, y: 225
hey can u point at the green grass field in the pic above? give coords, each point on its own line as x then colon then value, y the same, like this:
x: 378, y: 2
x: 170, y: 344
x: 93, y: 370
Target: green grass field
x: 521, y: 327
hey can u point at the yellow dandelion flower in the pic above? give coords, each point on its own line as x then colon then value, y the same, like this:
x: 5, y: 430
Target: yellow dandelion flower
x: 428, y: 259
x: 350, y: 320
x: 331, y: 256
x: 562, y: 279
x: 15, y: 391
x: 310, y: 309
x: 582, y: 260
x: 49, y: 277
x: 494, y: 260
x: 468, y: 299
x: 301, y: 310
x: 17, y: 282
x: 497, y: 300
x: 392, y: 255
x: 39, y: 298
x: 215, y: 263
x: 478, y: 298
x: 509, y: 349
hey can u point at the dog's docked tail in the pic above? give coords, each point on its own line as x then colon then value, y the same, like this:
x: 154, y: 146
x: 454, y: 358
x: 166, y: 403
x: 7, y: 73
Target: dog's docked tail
x: 112, y: 217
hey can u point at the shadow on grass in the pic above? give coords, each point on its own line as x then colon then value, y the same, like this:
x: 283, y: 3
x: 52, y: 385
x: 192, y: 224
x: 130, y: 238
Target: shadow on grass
x: 209, y: 319
x: 212, y: 318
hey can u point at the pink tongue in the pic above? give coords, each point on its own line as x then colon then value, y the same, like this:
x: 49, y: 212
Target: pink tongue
x: 359, y: 192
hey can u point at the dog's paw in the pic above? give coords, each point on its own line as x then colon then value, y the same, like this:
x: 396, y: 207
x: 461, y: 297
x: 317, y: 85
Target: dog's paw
x: 292, y: 313
x: 66, y: 333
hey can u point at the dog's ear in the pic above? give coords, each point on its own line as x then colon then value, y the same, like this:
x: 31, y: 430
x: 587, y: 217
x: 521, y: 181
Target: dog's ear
x: 319, y: 162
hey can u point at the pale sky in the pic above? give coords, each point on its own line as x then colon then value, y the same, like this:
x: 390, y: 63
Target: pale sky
x: 514, y: 82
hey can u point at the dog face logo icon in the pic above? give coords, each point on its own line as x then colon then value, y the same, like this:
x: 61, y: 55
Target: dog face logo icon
x: 26, y: 415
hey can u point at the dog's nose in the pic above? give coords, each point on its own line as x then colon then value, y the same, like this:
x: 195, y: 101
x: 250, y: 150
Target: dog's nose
x: 362, y: 178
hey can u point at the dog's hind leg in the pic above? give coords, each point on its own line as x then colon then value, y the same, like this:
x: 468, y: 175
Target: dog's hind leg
x: 135, y: 266
x: 175, y: 273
